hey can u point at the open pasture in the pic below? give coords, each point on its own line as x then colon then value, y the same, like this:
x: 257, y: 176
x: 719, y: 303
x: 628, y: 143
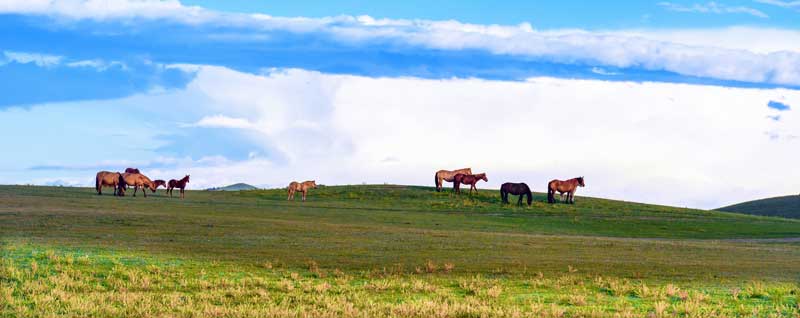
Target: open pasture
x: 385, y: 250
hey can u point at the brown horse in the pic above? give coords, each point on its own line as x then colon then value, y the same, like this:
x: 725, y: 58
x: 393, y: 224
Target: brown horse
x: 447, y: 175
x: 136, y: 180
x: 519, y: 189
x: 569, y: 187
x: 132, y: 170
x: 302, y: 187
x: 470, y: 179
x: 160, y: 183
x: 180, y: 184
x: 106, y: 179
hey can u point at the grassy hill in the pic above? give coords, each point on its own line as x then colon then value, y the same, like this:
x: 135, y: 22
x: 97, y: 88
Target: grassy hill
x: 235, y: 187
x: 786, y: 206
x: 388, y: 251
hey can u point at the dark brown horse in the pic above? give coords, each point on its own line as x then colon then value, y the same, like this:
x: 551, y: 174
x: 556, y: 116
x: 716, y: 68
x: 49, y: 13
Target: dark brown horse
x: 180, y: 184
x: 160, y: 183
x: 562, y: 187
x: 106, y: 179
x: 470, y: 179
x: 132, y: 170
x: 136, y: 180
x: 519, y: 189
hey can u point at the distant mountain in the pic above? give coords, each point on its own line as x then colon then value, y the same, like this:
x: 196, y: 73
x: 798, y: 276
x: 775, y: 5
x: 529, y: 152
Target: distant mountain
x: 788, y: 207
x: 234, y: 187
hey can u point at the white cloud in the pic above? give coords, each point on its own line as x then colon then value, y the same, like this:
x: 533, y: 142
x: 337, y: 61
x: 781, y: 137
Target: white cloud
x: 677, y: 144
x: 713, y: 7
x: 757, y: 56
x: 98, y: 64
x: 220, y: 121
x: 780, y: 3
x: 42, y: 60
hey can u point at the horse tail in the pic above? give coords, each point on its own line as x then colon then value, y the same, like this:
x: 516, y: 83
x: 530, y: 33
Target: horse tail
x: 550, y: 193
x: 436, y: 180
x: 97, y: 183
x: 530, y: 196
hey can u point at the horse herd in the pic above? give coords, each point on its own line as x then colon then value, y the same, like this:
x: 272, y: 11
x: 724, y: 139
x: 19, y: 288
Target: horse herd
x: 465, y: 176
x: 133, y: 178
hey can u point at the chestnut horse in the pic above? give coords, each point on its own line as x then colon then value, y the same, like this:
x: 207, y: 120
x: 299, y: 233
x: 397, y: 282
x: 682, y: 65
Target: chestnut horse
x: 106, y: 179
x: 132, y: 170
x: 180, y: 184
x: 135, y: 180
x: 447, y: 175
x: 302, y: 187
x: 519, y: 189
x: 470, y: 179
x: 569, y: 187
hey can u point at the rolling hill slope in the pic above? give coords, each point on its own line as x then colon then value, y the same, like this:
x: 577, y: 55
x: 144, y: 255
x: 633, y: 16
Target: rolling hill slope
x: 786, y: 206
x: 384, y: 251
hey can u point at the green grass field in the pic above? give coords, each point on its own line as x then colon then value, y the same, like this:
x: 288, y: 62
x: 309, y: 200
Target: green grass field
x: 785, y: 206
x: 385, y: 251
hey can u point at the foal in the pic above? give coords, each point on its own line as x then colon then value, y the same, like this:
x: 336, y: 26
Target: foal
x: 180, y: 184
x: 470, y: 179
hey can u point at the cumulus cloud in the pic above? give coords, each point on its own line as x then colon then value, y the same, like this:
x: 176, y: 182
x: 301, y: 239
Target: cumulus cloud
x: 746, y: 61
x: 678, y: 144
x: 713, y: 7
x: 220, y: 121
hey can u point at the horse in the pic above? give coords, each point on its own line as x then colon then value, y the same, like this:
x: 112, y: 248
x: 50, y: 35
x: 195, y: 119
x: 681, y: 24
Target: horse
x: 160, y: 183
x: 180, y: 184
x: 136, y: 180
x: 515, y: 189
x: 302, y: 187
x: 132, y: 170
x: 447, y: 175
x: 569, y: 187
x: 470, y: 179
x: 106, y: 179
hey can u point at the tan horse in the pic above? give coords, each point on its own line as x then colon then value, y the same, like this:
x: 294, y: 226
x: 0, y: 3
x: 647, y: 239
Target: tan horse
x: 136, y: 180
x: 106, y: 179
x: 447, y: 175
x: 302, y: 187
x: 569, y: 187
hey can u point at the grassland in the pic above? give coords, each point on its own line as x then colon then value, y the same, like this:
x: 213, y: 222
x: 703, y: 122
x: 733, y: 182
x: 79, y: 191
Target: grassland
x: 385, y: 251
x: 785, y: 206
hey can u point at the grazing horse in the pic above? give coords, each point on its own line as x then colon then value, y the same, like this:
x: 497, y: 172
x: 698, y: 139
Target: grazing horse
x: 470, y: 179
x: 106, y: 179
x: 132, y: 170
x: 515, y: 189
x: 136, y: 180
x: 447, y: 175
x: 562, y: 187
x: 302, y: 187
x: 180, y: 184
x: 160, y: 183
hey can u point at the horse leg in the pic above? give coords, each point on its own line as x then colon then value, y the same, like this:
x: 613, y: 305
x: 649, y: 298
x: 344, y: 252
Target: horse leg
x: 519, y: 202
x: 304, y: 195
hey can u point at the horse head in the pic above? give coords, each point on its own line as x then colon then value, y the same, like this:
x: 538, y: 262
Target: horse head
x: 580, y: 181
x: 483, y: 177
x: 314, y: 184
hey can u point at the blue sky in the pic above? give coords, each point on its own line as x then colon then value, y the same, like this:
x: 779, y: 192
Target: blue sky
x: 542, y: 14
x: 259, y: 91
